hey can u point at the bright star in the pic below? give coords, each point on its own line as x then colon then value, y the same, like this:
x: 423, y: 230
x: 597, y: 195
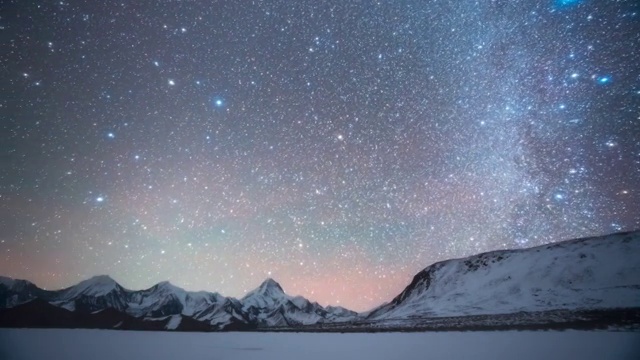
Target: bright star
x: 568, y: 2
x: 171, y: 82
x: 111, y: 135
x: 217, y: 101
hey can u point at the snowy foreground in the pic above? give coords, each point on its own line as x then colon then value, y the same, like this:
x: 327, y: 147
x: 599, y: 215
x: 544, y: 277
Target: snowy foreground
x: 107, y: 344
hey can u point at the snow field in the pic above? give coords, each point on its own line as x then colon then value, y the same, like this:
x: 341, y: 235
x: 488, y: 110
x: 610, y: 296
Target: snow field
x: 25, y: 344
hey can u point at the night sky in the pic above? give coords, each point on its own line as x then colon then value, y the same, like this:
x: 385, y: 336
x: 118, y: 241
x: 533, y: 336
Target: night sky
x: 336, y: 146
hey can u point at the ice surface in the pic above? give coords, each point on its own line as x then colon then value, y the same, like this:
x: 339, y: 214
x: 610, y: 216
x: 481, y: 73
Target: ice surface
x: 17, y: 344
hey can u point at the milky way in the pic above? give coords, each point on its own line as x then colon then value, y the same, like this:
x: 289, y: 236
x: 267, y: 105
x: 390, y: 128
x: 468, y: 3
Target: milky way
x: 336, y: 146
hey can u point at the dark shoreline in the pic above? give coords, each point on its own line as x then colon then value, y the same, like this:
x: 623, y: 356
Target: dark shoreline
x: 40, y: 315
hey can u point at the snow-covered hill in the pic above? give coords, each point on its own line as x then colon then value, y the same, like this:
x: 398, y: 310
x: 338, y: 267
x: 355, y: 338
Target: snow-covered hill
x: 593, y: 273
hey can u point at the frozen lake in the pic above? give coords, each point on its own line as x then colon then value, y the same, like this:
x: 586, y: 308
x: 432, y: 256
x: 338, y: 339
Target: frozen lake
x: 16, y: 344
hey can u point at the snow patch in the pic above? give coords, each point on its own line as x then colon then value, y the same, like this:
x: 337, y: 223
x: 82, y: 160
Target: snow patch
x: 174, y: 322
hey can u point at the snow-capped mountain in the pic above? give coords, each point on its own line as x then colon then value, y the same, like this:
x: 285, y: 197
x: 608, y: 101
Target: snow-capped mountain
x: 96, y: 286
x: 165, y: 299
x: 340, y: 313
x: 14, y: 292
x: 269, y: 305
x: 94, y: 294
x: 593, y: 273
x: 268, y: 295
x: 593, y: 281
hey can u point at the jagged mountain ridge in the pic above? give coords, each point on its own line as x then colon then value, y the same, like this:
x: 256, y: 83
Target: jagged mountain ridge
x: 591, y: 273
x: 270, y: 306
x: 266, y: 306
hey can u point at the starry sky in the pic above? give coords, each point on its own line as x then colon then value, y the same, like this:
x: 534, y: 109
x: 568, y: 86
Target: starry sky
x: 338, y: 147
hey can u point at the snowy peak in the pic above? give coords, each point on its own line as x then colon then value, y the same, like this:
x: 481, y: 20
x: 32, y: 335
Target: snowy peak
x: 16, y: 284
x: 269, y: 306
x: 95, y: 286
x: 339, y: 311
x: 268, y: 295
x: 165, y: 286
x: 100, y: 280
x: 270, y: 287
x: 8, y: 282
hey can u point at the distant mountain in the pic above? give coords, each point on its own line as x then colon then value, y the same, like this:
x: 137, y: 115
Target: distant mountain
x: 584, y: 274
x: 96, y: 293
x: 14, y: 292
x: 585, y: 283
x: 269, y: 306
x: 166, y: 304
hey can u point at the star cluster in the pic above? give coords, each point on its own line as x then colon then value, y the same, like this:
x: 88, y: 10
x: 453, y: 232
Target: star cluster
x: 337, y: 146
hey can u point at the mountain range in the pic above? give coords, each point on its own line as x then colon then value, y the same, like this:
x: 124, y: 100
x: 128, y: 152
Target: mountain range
x: 593, y: 278
x: 266, y: 306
